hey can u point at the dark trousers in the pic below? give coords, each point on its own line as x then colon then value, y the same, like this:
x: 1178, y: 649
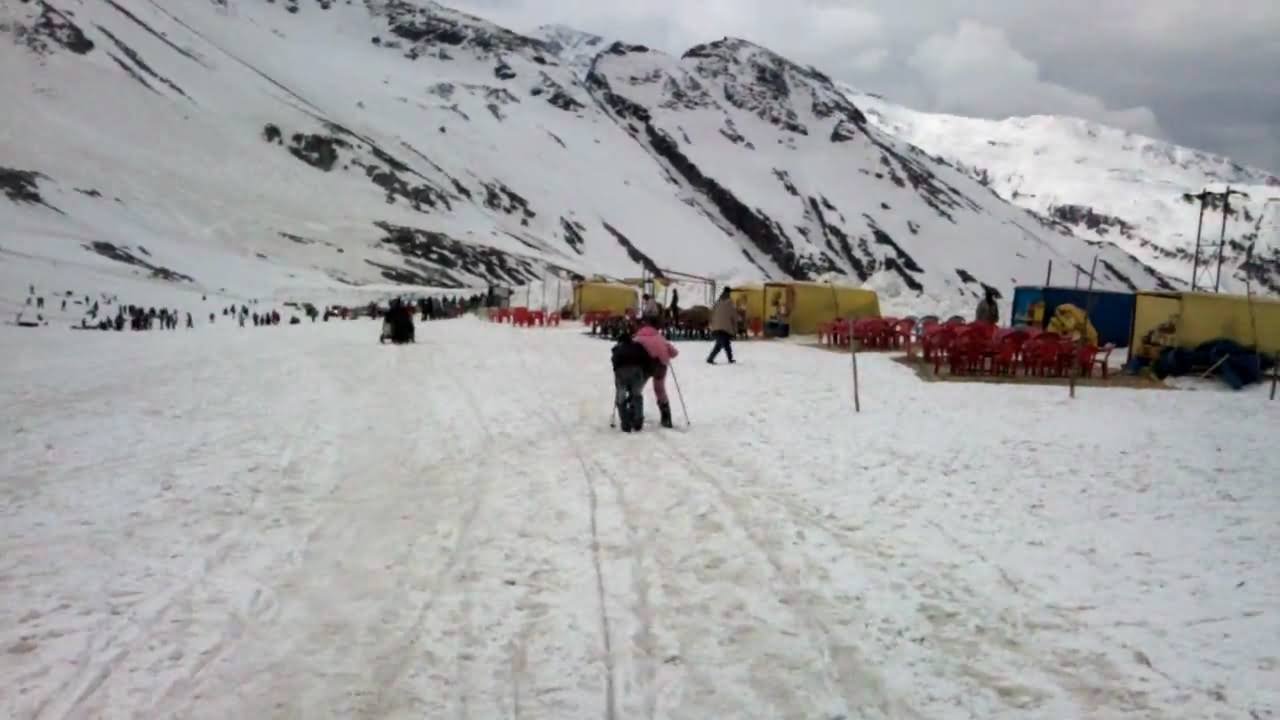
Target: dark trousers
x: 628, y: 387
x: 724, y: 341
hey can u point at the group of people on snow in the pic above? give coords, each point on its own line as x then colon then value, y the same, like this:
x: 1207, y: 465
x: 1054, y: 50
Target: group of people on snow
x: 646, y: 355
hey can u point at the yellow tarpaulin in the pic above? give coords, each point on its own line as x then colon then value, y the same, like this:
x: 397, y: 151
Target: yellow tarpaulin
x: 1069, y: 321
x: 603, y: 297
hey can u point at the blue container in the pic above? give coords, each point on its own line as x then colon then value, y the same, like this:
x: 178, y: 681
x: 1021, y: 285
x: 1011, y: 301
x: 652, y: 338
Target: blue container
x: 1110, y: 312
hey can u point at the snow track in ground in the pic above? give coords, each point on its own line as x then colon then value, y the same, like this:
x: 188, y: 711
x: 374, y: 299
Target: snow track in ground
x: 297, y: 522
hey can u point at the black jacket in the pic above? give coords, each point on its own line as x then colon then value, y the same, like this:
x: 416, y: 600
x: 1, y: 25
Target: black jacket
x: 629, y: 353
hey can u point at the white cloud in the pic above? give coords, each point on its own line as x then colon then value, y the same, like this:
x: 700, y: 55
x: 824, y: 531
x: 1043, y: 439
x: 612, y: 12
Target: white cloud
x: 975, y: 70
x: 1182, y: 69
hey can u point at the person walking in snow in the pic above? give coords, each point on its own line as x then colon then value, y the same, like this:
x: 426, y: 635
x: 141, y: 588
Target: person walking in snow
x: 632, y: 365
x: 988, y: 311
x: 662, y: 352
x: 724, y: 325
x: 190, y: 324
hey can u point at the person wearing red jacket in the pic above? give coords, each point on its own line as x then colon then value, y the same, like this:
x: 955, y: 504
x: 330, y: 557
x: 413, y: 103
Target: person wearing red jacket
x: 662, y: 352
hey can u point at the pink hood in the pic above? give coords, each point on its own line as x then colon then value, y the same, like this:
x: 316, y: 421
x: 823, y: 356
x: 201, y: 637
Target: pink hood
x: 656, y: 345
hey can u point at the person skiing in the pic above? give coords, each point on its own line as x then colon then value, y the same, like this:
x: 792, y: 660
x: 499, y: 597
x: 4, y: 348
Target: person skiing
x: 632, y: 365
x: 988, y: 311
x: 724, y: 325
x: 662, y: 352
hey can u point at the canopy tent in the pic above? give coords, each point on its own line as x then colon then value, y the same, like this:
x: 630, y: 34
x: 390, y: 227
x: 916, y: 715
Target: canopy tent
x: 1110, y: 313
x: 595, y: 296
x: 806, y: 305
x: 1187, y: 320
x: 693, y: 289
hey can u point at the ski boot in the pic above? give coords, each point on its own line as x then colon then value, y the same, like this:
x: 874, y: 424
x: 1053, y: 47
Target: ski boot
x: 624, y: 415
x: 664, y: 409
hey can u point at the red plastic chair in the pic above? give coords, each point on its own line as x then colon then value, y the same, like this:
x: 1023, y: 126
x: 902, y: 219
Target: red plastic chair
x: 1104, y: 362
x: 1040, y: 357
x: 967, y: 354
x: 903, y: 331
x: 756, y: 325
x: 939, y: 347
x: 1008, y: 352
x: 936, y: 339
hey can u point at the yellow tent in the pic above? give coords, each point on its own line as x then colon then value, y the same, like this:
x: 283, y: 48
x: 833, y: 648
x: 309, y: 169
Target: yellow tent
x: 750, y: 298
x: 808, y: 304
x: 603, y: 297
x: 1189, y: 319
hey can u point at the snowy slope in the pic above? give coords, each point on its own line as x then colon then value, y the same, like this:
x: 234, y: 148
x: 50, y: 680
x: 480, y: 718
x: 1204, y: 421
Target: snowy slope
x: 1108, y: 184
x: 243, y: 147
x: 781, y: 155
x: 173, y: 548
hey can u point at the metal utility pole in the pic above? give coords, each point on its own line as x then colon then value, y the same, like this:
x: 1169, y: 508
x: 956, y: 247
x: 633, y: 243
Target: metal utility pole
x: 1203, y: 196
x: 1222, y: 240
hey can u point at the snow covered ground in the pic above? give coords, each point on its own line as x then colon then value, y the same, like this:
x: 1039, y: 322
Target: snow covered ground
x: 297, y: 522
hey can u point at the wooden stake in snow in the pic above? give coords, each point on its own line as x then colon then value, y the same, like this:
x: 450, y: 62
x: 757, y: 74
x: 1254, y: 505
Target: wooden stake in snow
x: 853, y: 352
x: 853, y: 358
x: 1275, y: 375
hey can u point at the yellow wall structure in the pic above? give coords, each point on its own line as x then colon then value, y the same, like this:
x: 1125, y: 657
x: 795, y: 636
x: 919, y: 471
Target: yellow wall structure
x: 751, y: 298
x: 1149, y: 311
x: 1201, y: 317
x: 602, y: 296
x: 1208, y: 316
x: 810, y: 304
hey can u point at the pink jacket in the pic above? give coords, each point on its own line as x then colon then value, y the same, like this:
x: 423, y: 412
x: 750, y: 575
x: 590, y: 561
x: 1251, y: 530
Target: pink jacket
x: 656, y: 345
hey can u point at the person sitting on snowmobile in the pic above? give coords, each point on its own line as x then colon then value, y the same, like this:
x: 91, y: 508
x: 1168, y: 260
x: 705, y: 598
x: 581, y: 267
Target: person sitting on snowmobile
x: 632, y: 366
x: 662, y: 352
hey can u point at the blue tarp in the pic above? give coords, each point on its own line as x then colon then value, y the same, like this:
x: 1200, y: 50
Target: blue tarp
x: 1235, y: 364
x: 1111, y: 313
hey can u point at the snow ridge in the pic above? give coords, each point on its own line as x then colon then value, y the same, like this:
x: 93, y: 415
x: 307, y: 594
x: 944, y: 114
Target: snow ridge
x: 519, y: 157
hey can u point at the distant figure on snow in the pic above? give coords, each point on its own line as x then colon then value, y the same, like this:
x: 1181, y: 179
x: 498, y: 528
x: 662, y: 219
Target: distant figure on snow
x: 649, y: 310
x: 724, y: 325
x: 988, y: 310
x: 397, y: 325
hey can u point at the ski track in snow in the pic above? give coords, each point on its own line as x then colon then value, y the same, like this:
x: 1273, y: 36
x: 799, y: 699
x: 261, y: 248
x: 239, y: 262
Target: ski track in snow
x: 298, y: 522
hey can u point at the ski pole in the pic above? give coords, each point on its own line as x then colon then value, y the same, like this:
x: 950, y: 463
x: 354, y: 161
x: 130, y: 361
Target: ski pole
x: 680, y: 395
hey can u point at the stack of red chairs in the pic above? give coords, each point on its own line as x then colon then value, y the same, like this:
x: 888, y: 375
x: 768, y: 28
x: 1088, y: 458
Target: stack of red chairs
x: 980, y: 348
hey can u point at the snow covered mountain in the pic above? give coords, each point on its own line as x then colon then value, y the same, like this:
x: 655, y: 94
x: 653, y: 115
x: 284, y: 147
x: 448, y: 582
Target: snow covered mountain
x: 1110, y: 185
x: 247, y: 147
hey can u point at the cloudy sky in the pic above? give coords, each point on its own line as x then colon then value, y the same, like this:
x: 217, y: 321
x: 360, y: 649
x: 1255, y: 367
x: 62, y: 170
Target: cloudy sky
x: 1199, y: 73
